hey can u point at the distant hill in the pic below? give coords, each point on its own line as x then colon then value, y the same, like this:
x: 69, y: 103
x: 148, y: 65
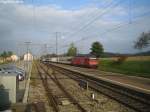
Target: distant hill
x: 109, y: 54
x: 147, y: 53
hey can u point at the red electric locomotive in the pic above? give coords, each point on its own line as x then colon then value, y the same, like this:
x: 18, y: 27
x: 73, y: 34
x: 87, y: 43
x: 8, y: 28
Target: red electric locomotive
x: 85, y: 61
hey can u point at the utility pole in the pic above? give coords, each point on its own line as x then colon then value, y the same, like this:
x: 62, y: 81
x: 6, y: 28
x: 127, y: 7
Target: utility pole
x: 18, y: 53
x: 27, y: 46
x: 45, y: 49
x: 57, y: 45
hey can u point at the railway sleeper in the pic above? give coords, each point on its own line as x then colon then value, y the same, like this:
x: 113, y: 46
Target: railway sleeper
x: 141, y: 105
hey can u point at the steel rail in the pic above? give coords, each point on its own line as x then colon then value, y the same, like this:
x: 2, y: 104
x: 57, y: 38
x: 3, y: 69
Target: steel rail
x: 65, y: 91
x: 130, y: 98
x: 52, y: 100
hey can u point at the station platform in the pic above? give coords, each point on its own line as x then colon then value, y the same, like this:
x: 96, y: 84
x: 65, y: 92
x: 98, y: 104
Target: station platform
x: 133, y: 82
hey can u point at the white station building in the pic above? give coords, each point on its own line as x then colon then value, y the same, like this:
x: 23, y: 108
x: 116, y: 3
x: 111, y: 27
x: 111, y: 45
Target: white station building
x: 14, y: 57
x: 28, y: 57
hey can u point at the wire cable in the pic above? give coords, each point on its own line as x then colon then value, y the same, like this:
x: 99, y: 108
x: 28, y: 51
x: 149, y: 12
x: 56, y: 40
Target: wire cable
x: 94, y: 19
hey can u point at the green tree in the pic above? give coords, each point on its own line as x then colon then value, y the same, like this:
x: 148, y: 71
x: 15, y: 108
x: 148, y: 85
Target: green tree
x: 4, y: 55
x: 72, y: 51
x: 9, y: 53
x: 97, y: 49
x: 143, y: 41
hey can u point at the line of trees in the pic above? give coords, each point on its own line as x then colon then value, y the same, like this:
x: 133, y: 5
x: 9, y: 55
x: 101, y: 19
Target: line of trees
x: 97, y: 48
x: 6, y: 54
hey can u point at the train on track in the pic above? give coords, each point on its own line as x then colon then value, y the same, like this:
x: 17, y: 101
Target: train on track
x: 82, y: 61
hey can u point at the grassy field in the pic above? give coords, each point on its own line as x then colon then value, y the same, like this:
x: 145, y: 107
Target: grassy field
x: 4, y: 63
x: 131, y: 58
x: 129, y: 67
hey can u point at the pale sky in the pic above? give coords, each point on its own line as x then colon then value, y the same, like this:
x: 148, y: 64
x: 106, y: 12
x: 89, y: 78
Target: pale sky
x: 115, y: 23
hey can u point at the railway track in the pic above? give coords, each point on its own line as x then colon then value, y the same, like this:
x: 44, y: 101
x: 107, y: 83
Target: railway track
x: 51, y: 99
x: 37, y: 95
x: 44, y: 75
x: 133, y: 99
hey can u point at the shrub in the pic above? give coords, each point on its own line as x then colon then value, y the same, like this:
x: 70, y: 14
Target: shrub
x: 121, y: 59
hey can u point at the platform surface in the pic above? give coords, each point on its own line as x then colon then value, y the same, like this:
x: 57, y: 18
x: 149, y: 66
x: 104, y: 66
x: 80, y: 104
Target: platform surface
x: 139, y: 83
